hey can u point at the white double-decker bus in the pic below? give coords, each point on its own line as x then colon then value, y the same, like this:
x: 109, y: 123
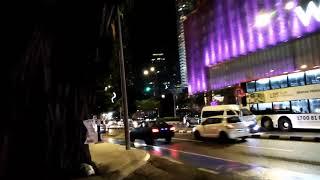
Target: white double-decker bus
x: 287, y: 101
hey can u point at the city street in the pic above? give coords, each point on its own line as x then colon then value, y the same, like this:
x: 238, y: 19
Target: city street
x: 254, y: 158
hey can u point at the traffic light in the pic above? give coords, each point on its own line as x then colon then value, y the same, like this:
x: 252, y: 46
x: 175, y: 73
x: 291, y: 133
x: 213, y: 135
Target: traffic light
x: 147, y: 89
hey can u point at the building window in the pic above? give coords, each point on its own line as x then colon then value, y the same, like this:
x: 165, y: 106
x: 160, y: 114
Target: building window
x: 313, y: 76
x: 296, y: 79
x: 279, y: 82
x: 314, y: 105
x: 300, y: 106
x: 263, y: 84
x: 281, y: 106
x: 251, y: 86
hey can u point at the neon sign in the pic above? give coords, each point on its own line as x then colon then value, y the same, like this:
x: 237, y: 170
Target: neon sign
x: 311, y: 11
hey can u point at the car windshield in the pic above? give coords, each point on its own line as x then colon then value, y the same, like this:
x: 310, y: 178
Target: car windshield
x: 246, y: 112
x: 233, y: 119
x: 161, y: 123
x: 206, y: 114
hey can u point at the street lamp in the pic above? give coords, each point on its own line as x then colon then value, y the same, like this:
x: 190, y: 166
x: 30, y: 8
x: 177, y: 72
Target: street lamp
x: 145, y: 72
x: 152, y: 69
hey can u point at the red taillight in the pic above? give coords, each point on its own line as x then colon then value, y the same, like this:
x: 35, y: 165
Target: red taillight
x: 172, y: 129
x: 155, y: 130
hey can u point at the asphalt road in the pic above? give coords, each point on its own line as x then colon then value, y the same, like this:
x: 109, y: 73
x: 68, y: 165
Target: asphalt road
x: 254, y: 158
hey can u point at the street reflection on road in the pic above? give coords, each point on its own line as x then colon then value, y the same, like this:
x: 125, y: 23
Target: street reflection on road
x: 220, y: 165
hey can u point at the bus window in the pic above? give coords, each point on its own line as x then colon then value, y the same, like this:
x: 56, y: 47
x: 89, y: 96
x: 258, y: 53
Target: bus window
x: 279, y: 82
x: 251, y: 86
x: 300, y: 106
x: 281, y: 106
x: 253, y: 107
x: 265, y: 108
x: 313, y: 76
x: 314, y: 105
x: 296, y: 79
x: 263, y: 84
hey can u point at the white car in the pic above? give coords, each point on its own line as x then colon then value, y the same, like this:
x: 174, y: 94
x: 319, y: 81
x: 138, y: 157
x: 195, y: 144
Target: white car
x: 222, y: 127
x: 231, y: 109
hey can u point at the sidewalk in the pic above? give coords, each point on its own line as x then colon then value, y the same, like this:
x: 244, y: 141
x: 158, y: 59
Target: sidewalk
x: 115, y: 162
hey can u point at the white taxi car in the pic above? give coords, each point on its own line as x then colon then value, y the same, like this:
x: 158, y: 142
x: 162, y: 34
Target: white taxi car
x: 222, y: 127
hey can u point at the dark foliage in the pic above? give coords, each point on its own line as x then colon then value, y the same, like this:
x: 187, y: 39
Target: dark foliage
x: 51, y: 72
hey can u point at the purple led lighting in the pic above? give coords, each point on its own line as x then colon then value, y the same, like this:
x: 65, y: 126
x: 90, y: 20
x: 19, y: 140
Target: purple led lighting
x: 206, y: 57
x: 230, y: 31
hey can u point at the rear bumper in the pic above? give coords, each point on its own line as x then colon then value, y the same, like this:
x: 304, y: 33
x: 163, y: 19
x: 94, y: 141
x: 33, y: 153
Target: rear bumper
x: 234, y: 134
x: 163, y: 135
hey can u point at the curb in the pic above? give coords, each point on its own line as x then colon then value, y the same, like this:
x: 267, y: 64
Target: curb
x: 286, y: 137
x: 130, y: 169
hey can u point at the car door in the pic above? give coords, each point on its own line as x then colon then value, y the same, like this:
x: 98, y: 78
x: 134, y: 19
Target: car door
x: 212, y: 127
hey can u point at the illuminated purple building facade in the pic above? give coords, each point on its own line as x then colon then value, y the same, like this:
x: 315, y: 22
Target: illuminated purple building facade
x: 234, y: 41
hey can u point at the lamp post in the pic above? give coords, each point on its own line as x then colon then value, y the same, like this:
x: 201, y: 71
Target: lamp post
x: 123, y: 85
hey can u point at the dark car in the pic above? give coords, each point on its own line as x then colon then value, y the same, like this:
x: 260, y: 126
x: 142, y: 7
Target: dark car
x: 151, y: 130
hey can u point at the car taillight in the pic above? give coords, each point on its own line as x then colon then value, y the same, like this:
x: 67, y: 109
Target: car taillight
x: 155, y: 130
x: 230, y: 126
x: 172, y: 129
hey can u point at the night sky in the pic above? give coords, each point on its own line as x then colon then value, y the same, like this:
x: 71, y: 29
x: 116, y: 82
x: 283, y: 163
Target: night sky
x: 154, y: 27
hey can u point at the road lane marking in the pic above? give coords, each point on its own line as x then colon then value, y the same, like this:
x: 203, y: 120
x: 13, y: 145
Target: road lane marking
x: 257, y: 147
x: 208, y: 170
x: 267, y: 148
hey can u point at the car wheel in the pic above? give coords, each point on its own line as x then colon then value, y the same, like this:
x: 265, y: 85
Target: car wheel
x: 267, y: 123
x: 223, y: 137
x: 149, y: 141
x: 168, y: 139
x: 197, y: 135
x: 284, y: 124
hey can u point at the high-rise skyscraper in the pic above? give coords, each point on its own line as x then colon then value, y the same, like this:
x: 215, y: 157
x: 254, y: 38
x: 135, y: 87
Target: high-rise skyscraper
x: 184, y: 7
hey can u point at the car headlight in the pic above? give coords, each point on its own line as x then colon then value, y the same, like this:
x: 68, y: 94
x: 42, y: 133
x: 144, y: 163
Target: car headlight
x: 256, y: 127
x: 249, y: 123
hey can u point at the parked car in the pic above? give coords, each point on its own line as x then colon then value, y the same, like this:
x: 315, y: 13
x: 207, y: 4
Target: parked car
x: 151, y: 130
x: 222, y: 127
